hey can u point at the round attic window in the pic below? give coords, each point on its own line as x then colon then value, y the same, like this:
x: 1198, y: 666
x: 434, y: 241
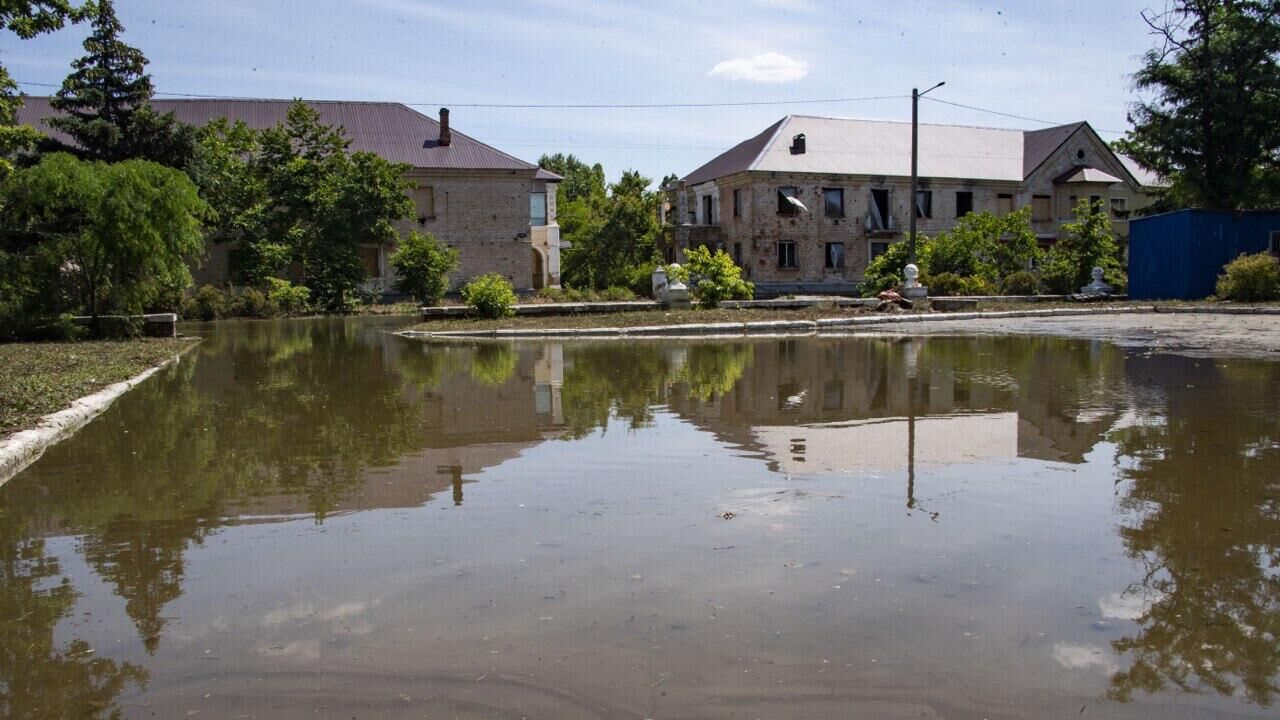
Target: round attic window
x: 1080, y: 154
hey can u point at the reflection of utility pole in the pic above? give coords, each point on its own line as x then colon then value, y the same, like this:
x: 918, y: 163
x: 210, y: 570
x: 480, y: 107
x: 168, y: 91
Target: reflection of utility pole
x: 912, y: 384
x: 455, y: 474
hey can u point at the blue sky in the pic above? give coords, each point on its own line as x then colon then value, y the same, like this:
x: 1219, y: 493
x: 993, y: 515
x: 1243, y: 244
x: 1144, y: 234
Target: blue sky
x: 1058, y: 61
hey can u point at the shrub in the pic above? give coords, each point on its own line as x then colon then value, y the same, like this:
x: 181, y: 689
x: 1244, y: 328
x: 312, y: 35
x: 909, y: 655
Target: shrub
x: 1088, y: 242
x: 885, y: 271
x: 422, y: 265
x: 1251, y: 278
x: 617, y: 294
x: 252, y: 303
x: 289, y: 298
x: 715, y: 277
x: 1023, y: 282
x: 206, y: 303
x: 490, y: 296
x: 946, y: 283
x: 1118, y: 280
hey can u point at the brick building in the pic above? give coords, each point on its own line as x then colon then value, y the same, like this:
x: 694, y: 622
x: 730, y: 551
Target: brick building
x: 807, y: 203
x: 497, y: 210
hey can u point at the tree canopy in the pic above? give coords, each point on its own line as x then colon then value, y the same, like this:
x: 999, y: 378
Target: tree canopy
x: 1207, y: 122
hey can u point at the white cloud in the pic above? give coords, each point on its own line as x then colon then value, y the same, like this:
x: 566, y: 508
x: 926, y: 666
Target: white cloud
x: 770, y: 67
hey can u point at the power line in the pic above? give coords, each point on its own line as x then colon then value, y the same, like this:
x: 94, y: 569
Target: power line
x: 1010, y: 115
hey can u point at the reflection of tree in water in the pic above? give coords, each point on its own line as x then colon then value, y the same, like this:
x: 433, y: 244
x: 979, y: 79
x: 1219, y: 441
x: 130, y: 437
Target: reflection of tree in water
x: 37, y: 678
x: 285, y: 409
x: 626, y: 380
x: 1204, y: 488
x: 710, y: 370
x: 493, y: 363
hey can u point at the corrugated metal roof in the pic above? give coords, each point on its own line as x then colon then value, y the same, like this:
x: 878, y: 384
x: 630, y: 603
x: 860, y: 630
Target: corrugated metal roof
x: 391, y: 130
x: 846, y: 146
x: 1086, y: 175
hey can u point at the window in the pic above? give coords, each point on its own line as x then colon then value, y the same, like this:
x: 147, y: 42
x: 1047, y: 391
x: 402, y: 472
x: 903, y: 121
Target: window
x: 785, y: 207
x: 708, y: 207
x: 833, y: 202
x: 737, y: 254
x: 737, y: 203
x: 924, y: 203
x: 835, y: 256
x: 537, y: 209
x: 1069, y: 207
x: 964, y: 203
x: 879, y: 218
x: 1041, y: 208
x: 786, y: 254
x: 1120, y: 208
x: 424, y: 201
x: 370, y: 258
x: 877, y: 249
x: 1004, y: 203
x: 1094, y: 201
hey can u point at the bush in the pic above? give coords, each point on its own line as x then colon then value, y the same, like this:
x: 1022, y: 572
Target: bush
x: 490, y: 296
x: 422, y: 266
x: 207, y: 303
x: 715, y: 277
x: 1251, y: 278
x: 1023, y: 282
x: 617, y: 294
x: 1118, y: 280
x: 289, y: 298
x: 252, y: 303
x: 946, y: 283
x: 885, y: 271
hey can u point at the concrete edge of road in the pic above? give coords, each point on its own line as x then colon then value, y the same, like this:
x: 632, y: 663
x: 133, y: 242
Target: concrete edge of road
x: 790, y: 327
x: 22, y: 448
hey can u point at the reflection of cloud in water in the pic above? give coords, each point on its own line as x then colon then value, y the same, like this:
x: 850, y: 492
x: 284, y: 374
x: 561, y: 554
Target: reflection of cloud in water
x: 1127, y: 605
x: 1084, y: 657
x: 307, y: 611
x: 774, y: 500
x: 297, y: 650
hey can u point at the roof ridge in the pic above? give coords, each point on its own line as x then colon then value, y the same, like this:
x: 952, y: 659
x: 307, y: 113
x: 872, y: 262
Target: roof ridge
x: 925, y: 124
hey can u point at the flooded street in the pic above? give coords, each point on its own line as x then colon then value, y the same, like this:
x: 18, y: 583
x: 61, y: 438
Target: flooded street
x: 320, y: 519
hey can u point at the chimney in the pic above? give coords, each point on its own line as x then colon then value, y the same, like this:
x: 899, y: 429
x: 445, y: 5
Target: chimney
x: 797, y: 144
x: 446, y: 137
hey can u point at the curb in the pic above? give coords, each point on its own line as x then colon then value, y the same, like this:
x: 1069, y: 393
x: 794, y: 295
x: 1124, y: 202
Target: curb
x: 773, y: 327
x: 22, y: 448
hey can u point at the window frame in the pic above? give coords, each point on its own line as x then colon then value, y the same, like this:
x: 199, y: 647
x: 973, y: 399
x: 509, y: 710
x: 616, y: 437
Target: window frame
x: 827, y: 263
x: 430, y: 196
x: 707, y: 204
x: 924, y: 211
x: 871, y: 243
x: 968, y: 194
x: 737, y: 202
x: 1046, y: 202
x: 826, y: 206
x: 792, y: 255
x: 532, y: 197
x: 786, y: 209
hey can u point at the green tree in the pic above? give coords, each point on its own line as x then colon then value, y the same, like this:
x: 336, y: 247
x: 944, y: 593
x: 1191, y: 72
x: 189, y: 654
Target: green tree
x: 581, y: 181
x: 622, y: 238
x: 984, y: 245
x: 1208, y: 123
x: 884, y: 272
x: 223, y: 168
x: 323, y: 204
x: 422, y: 265
x: 26, y: 19
x: 1089, y: 242
x: 715, y: 277
x: 123, y: 233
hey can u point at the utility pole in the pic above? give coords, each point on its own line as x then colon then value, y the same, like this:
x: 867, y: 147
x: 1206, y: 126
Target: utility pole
x: 915, y: 157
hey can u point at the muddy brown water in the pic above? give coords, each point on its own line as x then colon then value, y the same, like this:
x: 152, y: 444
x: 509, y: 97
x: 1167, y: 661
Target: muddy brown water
x: 318, y: 519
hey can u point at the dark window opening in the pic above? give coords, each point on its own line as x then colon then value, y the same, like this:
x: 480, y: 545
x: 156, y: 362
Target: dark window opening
x: 877, y: 249
x: 707, y: 207
x: 833, y: 202
x: 737, y: 254
x: 785, y: 206
x: 1004, y: 203
x: 737, y: 203
x: 924, y: 203
x: 835, y: 256
x: 786, y: 254
x: 369, y: 257
x: 880, y: 219
x: 964, y: 203
x: 1094, y: 202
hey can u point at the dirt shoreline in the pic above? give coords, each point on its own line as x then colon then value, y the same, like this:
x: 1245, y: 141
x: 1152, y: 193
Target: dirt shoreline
x: 1253, y: 336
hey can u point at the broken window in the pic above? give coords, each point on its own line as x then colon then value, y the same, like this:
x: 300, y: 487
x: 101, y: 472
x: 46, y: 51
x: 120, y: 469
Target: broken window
x: 964, y: 203
x: 708, y: 206
x: 786, y: 254
x: 737, y: 202
x: 737, y: 254
x: 924, y: 203
x: 876, y: 249
x: 1004, y: 203
x: 785, y: 195
x: 879, y: 218
x: 833, y: 202
x: 835, y: 256
x: 1041, y: 208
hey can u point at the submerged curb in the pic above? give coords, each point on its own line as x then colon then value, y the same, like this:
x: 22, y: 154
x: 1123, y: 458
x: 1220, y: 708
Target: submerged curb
x: 774, y: 327
x: 25, y: 447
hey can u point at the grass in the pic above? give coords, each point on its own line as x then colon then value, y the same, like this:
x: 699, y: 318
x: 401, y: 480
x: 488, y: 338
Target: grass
x: 43, y: 378
x: 695, y: 315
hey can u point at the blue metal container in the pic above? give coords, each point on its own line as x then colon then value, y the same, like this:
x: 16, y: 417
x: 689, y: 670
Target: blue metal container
x: 1179, y: 255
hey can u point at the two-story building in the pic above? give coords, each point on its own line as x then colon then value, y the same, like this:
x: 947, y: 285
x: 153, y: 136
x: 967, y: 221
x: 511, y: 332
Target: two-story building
x: 805, y: 205
x: 498, y: 211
